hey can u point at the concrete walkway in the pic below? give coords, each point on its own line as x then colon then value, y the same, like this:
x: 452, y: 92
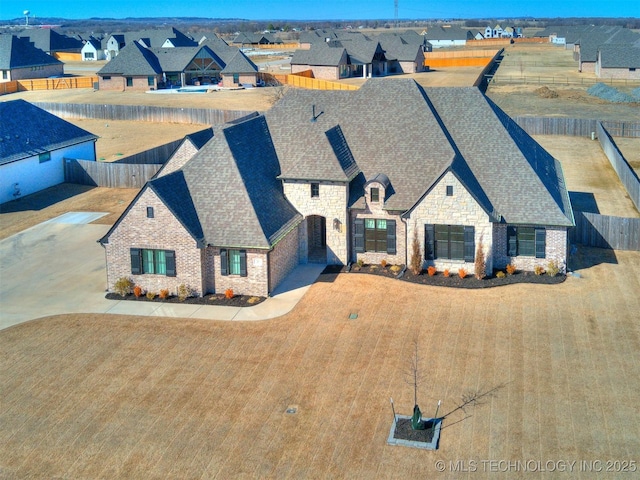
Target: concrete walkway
x: 58, y: 267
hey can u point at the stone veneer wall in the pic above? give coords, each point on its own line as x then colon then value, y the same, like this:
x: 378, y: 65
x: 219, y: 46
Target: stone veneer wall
x: 255, y: 283
x: 283, y: 259
x: 182, y: 155
x: 458, y: 209
x: 331, y: 204
x: 376, y: 210
x: 163, y: 232
x: 555, y: 250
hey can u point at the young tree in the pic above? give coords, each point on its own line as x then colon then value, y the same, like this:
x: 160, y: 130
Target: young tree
x: 414, y: 378
x: 416, y: 258
x: 480, y: 265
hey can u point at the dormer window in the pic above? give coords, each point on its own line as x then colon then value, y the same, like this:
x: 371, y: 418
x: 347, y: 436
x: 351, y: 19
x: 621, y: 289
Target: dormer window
x: 375, y: 195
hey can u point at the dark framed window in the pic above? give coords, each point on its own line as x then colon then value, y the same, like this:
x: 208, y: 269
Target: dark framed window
x: 88, y: 54
x: 526, y: 242
x: 450, y: 242
x: 315, y: 189
x: 5, y: 74
x: 106, y: 77
x: 375, y: 235
x: 375, y: 195
x: 151, y: 81
x: 233, y: 262
x: 129, y: 81
x: 153, y: 262
x: 149, y: 212
x: 236, y: 78
x: 449, y: 190
x: 44, y: 157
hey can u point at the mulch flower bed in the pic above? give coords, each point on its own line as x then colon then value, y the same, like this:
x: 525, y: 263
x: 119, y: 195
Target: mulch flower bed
x: 452, y: 281
x: 404, y: 431
x: 217, y: 299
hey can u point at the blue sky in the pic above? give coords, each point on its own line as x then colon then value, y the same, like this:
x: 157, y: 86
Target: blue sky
x: 321, y: 9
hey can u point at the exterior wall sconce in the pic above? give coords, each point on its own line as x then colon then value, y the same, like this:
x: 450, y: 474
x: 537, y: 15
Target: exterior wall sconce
x: 337, y: 225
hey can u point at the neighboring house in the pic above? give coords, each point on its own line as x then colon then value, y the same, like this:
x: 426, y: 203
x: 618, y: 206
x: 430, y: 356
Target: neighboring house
x: 248, y: 39
x: 92, y: 50
x: 618, y: 61
x: 479, y: 36
x: 355, y: 57
x: 340, y: 176
x: 587, y: 46
x: 20, y: 60
x: 50, y: 41
x: 448, y: 36
x: 33, y: 146
x: 159, y: 38
x: 141, y: 68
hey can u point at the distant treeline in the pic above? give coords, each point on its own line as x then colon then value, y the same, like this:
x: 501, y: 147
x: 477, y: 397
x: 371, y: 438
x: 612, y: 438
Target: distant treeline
x: 232, y: 25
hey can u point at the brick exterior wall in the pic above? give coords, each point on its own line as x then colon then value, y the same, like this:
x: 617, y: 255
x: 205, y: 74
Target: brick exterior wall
x: 588, y: 67
x: 182, y: 155
x: 555, y: 250
x: 283, y: 259
x: 42, y: 71
x: 163, y: 232
x: 624, y: 73
x: 458, y: 209
x: 323, y: 72
x: 331, y: 204
x: 376, y: 210
x: 255, y: 283
x: 250, y: 78
x: 119, y: 83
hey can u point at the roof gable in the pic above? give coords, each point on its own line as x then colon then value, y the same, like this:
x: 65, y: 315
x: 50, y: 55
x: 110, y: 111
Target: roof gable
x: 18, y: 52
x: 133, y: 59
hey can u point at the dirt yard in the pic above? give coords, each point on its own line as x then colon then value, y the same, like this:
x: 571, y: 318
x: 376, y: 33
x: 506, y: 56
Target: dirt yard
x: 91, y: 396
x: 116, y: 139
x: 589, y: 174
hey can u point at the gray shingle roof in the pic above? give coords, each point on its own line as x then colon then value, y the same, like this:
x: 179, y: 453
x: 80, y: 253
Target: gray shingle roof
x: 322, y: 55
x: 620, y: 55
x: 28, y: 130
x: 414, y: 135
x: 133, y: 59
x: 239, y: 63
x: 49, y: 40
x: 20, y: 53
x: 235, y: 190
x: 178, y: 59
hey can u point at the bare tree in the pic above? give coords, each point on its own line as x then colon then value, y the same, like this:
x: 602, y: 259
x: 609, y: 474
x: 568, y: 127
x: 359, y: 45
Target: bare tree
x: 416, y: 258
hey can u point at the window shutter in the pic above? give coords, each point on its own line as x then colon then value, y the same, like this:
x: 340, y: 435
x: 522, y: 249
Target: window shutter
x: 512, y: 242
x: 469, y: 244
x: 170, y: 258
x: 541, y: 242
x: 136, y: 261
x: 391, y: 237
x: 359, y: 234
x: 243, y: 263
x: 224, y: 263
x: 429, y: 236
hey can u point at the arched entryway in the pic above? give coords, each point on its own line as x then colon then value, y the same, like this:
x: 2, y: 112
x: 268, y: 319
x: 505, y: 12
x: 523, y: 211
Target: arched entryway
x: 317, y: 238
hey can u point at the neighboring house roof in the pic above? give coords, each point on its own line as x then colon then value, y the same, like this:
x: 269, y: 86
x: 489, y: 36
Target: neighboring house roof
x: 255, y: 38
x: 133, y: 59
x: 20, y: 53
x: 95, y: 43
x: 620, y: 55
x: 448, y: 33
x: 156, y: 38
x: 178, y: 59
x: 28, y: 130
x: 239, y: 63
x: 49, y: 40
x: 321, y: 55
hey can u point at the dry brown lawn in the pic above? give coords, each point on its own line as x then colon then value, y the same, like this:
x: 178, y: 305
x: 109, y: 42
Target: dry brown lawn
x: 98, y: 396
x: 587, y: 170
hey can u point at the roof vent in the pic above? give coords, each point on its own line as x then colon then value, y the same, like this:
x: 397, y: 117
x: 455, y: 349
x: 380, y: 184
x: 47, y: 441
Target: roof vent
x: 313, y: 113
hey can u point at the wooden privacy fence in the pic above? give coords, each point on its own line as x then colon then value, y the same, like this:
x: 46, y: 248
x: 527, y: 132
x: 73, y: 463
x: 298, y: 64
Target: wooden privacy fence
x: 157, y: 155
x: 317, y: 84
x: 625, y: 172
x: 142, y: 113
x: 576, y: 127
x: 113, y: 175
x: 8, y: 87
x: 605, y: 231
x: 62, y: 83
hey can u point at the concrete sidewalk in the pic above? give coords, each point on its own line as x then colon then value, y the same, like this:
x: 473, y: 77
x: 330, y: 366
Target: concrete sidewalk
x: 58, y: 267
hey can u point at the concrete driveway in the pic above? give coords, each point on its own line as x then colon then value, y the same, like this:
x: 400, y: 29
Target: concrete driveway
x: 58, y: 267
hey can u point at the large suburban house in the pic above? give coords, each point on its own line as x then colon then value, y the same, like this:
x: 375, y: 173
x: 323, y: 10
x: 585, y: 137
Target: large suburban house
x: 618, y: 61
x: 92, y: 50
x: 448, y: 36
x: 356, y: 55
x: 33, y: 146
x: 340, y: 176
x: 140, y: 68
x: 20, y: 60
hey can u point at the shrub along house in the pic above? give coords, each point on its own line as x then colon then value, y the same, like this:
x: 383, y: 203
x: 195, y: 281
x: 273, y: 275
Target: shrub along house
x: 320, y: 178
